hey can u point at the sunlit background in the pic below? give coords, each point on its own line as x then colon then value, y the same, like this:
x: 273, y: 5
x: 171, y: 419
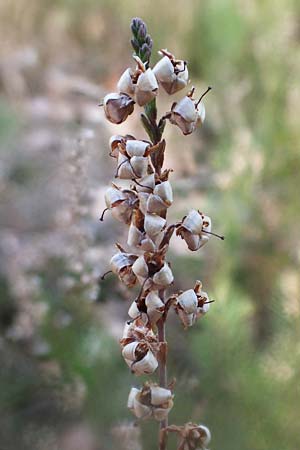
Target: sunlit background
x: 63, y: 382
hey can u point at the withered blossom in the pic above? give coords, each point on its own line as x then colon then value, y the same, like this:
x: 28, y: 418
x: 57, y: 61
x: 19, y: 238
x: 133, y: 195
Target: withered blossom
x: 143, y: 207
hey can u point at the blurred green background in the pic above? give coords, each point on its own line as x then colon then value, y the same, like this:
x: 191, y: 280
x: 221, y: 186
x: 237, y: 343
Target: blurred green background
x: 63, y: 383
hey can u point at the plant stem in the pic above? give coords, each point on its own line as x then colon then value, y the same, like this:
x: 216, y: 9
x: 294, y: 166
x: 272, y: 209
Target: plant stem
x: 162, y: 367
x: 155, y: 133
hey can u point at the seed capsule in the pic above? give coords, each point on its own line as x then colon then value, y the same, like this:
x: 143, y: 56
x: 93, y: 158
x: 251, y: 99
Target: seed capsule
x: 117, y: 107
x: 121, y: 264
x: 172, y: 74
x: 150, y: 401
x: 164, y: 277
x: 188, y: 114
x: 146, y: 88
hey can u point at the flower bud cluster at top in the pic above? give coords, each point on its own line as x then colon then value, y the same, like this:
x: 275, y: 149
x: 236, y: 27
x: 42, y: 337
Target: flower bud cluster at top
x: 142, y: 205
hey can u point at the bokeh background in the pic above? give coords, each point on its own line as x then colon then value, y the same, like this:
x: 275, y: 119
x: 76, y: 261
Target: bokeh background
x: 63, y: 383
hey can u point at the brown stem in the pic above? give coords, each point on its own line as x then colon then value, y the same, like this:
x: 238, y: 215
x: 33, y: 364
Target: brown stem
x: 162, y: 368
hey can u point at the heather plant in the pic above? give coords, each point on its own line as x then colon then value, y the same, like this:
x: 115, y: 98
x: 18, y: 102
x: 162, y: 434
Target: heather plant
x: 141, y: 202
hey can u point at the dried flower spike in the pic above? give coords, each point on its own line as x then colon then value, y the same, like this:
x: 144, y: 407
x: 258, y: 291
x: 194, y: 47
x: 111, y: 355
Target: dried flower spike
x: 142, y: 206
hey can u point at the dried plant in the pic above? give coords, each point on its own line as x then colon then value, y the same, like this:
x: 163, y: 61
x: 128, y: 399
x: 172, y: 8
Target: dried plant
x: 143, y: 207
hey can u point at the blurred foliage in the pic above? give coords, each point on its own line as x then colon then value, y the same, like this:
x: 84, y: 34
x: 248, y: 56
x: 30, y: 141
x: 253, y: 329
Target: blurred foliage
x: 237, y: 370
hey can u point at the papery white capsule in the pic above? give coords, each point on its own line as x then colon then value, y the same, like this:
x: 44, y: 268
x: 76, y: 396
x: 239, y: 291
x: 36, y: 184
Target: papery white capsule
x: 125, y: 170
x: 125, y: 83
x: 117, y: 107
x: 135, y: 236
x: 128, y: 351
x: 146, y: 365
x: 159, y: 395
x: 132, y: 395
x: 187, y: 114
x: 188, y: 301
x: 193, y: 222
x: 164, y: 277
x: 114, y: 142
x: 147, y: 245
x: 153, y: 225
x: 171, y: 74
x: 155, y: 204
x: 143, y: 200
x: 134, y: 311
x: 139, y: 166
x: 151, y: 400
x: 184, y: 115
x: 136, y: 148
x: 146, y: 184
x: 121, y: 260
x: 146, y: 88
x: 140, y: 268
x: 164, y: 191
x: 141, y: 411
x: 155, y: 307
x: 205, y: 434
x: 121, y: 264
x: 113, y: 196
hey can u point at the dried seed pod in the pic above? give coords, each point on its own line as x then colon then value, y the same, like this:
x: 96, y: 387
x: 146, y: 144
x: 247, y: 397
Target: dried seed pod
x: 136, y: 148
x: 188, y: 301
x: 195, y: 229
x: 153, y: 225
x: 191, y: 436
x: 135, y: 236
x: 164, y: 277
x: 188, y: 114
x: 140, y: 410
x: 146, y: 184
x: 146, y: 88
x: 184, y: 115
x: 134, y: 311
x: 193, y: 222
x: 155, y: 204
x: 204, y: 435
x: 159, y: 395
x: 132, y: 394
x: 192, y: 304
x: 164, y: 191
x: 140, y: 268
x: 172, y: 74
x: 117, y: 107
x: 125, y: 83
x: 114, y: 196
x: 147, y: 245
x: 155, y: 307
x: 143, y: 200
x: 147, y: 365
x: 139, y: 358
x: 139, y: 166
x: 122, y: 203
x: 121, y: 264
x: 150, y: 401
